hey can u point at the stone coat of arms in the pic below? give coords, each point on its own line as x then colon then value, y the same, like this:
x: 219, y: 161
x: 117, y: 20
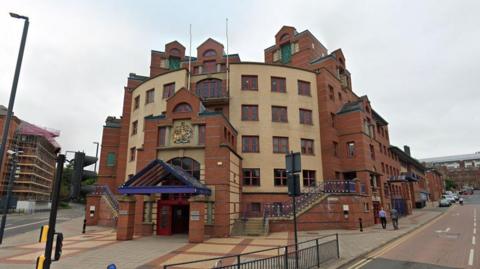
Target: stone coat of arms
x: 182, y: 134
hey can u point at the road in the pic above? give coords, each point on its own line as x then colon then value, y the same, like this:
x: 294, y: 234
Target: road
x: 21, y: 223
x: 448, y: 242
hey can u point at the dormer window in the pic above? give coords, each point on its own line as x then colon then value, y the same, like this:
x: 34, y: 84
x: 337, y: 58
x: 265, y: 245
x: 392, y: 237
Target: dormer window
x: 183, y: 107
x: 210, y: 53
x: 175, y: 52
x: 173, y: 63
x: 286, y: 52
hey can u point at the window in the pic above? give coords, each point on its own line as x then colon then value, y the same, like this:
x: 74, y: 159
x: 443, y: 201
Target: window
x: 279, y: 114
x: 278, y: 84
x: 307, y: 146
x: 201, y: 134
x: 162, y: 131
x: 304, y: 88
x: 250, y: 83
x: 286, y: 51
x: 250, y: 112
x: 136, y: 102
x: 209, y: 88
x: 168, y: 90
x: 250, y: 144
x: 111, y: 159
x: 209, y: 66
x: 182, y: 107
x: 350, y: 149
x: 279, y: 177
x: 309, y: 178
x: 134, y: 127
x: 340, y: 96
x: 331, y: 93
x: 209, y: 53
x: 332, y: 117
x: 280, y: 144
x: 335, y: 149
x: 372, y: 152
x: 150, y: 96
x: 251, y: 176
x: 305, y: 116
x: 189, y: 165
x: 132, y: 153
x: 173, y: 63
x: 255, y: 207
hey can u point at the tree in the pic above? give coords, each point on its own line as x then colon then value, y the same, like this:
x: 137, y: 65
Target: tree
x: 450, y: 184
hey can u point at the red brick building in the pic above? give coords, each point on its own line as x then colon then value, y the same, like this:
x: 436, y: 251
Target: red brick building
x: 203, y: 152
x: 464, y: 169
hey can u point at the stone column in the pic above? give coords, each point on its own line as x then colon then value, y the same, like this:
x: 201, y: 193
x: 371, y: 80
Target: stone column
x: 147, y: 225
x: 196, y: 228
x: 126, y: 218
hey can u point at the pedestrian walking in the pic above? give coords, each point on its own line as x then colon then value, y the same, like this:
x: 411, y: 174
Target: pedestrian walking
x: 394, y: 215
x: 383, y: 218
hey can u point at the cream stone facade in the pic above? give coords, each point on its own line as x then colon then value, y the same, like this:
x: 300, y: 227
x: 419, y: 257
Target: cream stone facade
x: 266, y: 160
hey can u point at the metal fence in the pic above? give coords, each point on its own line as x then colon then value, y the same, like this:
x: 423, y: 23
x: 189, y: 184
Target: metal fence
x: 308, y: 254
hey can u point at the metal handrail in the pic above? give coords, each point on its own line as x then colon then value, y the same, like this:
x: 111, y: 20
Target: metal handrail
x: 238, y: 256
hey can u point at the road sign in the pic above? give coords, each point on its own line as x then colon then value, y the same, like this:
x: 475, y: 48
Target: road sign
x: 293, y: 162
x: 293, y: 184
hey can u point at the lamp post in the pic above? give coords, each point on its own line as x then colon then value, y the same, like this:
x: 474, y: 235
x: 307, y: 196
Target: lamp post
x: 12, y: 175
x: 11, y: 102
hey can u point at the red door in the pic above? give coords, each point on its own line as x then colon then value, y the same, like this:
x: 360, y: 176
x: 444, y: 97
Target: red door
x: 180, y: 219
x: 376, y: 209
x: 164, y: 219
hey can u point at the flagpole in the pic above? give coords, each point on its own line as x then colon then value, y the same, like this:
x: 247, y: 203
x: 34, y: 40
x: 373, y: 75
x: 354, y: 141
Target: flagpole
x: 190, y: 58
x: 228, y: 67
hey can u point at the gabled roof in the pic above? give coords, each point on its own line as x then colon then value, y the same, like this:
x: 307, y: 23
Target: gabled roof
x: 407, y: 158
x: 151, y: 178
x: 210, y: 39
x: 381, y: 121
x: 351, y: 107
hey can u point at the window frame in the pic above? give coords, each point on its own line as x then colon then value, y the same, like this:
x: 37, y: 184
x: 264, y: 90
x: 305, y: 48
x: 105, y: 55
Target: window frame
x: 252, y: 177
x: 301, y: 88
x: 136, y: 102
x: 305, y: 144
x: 162, y: 135
x: 134, y: 127
x: 278, y: 84
x: 281, y: 179
x: 201, y: 134
x: 248, y: 146
x: 150, y: 96
x: 277, y: 146
x: 249, y: 83
x: 278, y: 115
x: 311, y: 181
x: 306, y: 116
x: 351, y: 149
x: 133, y: 153
x: 168, y: 90
x: 245, y: 115
x: 109, y: 161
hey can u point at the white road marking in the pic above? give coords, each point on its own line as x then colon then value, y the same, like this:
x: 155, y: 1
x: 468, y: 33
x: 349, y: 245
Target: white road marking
x: 474, y: 224
x: 470, y: 257
x: 441, y: 231
x: 473, y: 240
x: 448, y: 229
x: 24, y: 225
x: 474, y: 230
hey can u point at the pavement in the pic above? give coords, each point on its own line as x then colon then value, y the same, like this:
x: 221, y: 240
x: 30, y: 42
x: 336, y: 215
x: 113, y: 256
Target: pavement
x: 98, y: 247
x: 447, y: 242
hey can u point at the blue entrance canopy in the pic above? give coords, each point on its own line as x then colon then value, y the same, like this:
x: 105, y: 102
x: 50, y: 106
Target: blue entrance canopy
x: 152, y: 178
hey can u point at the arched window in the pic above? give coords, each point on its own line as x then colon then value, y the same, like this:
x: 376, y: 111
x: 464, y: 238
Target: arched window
x: 284, y: 37
x: 189, y: 165
x: 183, y: 107
x: 209, y: 88
x: 175, y: 52
x: 209, y: 53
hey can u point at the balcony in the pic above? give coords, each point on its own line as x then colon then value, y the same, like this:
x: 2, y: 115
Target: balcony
x: 213, y: 96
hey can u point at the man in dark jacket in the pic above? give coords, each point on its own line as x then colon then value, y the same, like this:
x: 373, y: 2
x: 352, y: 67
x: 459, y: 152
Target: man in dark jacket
x: 394, y: 215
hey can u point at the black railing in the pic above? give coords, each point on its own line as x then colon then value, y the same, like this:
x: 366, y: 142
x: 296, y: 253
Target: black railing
x: 311, y: 254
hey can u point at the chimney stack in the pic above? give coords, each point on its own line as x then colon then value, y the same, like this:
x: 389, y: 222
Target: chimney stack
x: 406, y: 149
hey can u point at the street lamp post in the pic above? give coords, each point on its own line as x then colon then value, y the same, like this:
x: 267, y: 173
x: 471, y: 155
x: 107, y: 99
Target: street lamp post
x: 11, y: 178
x: 11, y: 102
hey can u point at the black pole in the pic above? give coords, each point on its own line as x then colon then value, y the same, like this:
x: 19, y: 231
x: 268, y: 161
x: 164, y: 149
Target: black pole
x: 361, y: 224
x: 294, y: 205
x: 6, y: 204
x: 53, y: 211
x: 11, y: 102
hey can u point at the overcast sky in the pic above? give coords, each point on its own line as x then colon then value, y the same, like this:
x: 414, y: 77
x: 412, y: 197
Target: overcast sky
x: 417, y: 61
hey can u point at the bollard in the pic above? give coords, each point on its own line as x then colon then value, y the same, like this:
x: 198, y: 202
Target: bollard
x: 84, y: 225
x: 361, y: 224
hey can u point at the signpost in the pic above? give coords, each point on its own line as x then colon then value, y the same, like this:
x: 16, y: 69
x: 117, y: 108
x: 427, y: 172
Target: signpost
x: 294, y: 166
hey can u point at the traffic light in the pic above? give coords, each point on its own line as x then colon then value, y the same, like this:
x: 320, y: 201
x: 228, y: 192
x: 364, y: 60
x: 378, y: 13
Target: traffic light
x: 79, y: 162
x: 58, y: 247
